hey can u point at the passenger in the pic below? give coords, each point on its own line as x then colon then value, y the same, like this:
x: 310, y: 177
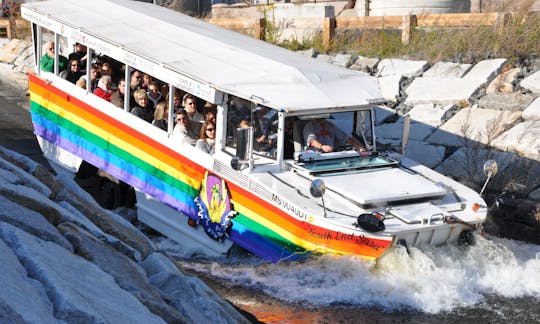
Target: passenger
x: 183, y: 130
x: 142, y: 108
x: 81, y: 83
x: 135, y: 83
x: 47, y: 60
x: 106, y: 69
x: 94, y: 77
x: 117, y: 98
x: 104, y: 88
x: 153, y: 93
x: 80, y: 53
x: 146, y: 80
x: 195, y: 117
x: 288, y: 140
x: 73, y: 73
x: 161, y: 115
x: 177, y: 100
x: 210, y: 114
x: 261, y: 129
x: 207, y: 140
x: 325, y: 136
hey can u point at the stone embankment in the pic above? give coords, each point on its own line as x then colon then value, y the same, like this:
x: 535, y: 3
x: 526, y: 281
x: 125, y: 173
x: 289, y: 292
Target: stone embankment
x: 463, y: 115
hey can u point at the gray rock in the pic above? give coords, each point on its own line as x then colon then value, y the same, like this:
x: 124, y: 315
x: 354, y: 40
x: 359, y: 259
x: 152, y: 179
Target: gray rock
x: 324, y: 58
x: 533, y: 111
x: 513, y: 101
x: 474, y: 127
x: 521, y: 176
x: 532, y: 83
x: 428, y: 155
x: 431, y: 114
x: 466, y: 164
x: 504, y: 82
x: 190, y: 296
x: 523, y: 138
x: 126, y: 273
x: 107, y: 221
x: 12, y: 49
x: 22, y: 299
x: 23, y: 178
x: 31, y: 222
x: 401, y: 67
x: 535, y: 195
x: 382, y: 113
x: 442, y: 91
x: 365, y: 64
x: 309, y: 53
x: 79, y: 290
x: 418, y: 131
x: 390, y: 86
x: 343, y: 60
x: 485, y: 71
x: 447, y: 70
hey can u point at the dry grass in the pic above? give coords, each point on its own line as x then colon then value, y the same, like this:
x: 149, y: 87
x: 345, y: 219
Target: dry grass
x: 517, y: 40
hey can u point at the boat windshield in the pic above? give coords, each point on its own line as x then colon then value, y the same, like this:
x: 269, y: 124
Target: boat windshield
x: 342, y: 161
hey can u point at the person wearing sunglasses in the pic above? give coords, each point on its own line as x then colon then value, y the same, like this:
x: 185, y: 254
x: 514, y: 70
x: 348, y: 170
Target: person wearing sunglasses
x: 73, y: 73
x: 182, y: 128
x: 47, y: 60
x: 207, y: 140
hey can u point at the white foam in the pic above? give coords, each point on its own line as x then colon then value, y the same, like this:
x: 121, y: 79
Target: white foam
x: 432, y: 280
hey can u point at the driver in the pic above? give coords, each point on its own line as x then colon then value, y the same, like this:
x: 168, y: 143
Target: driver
x: 325, y: 136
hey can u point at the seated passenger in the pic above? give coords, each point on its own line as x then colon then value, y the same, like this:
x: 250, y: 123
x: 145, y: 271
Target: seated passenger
x: 322, y: 135
x: 47, y: 60
x: 161, y: 114
x: 94, y: 77
x: 117, y: 98
x: 207, y: 140
x: 190, y: 105
x: 103, y: 89
x: 153, y: 93
x: 80, y: 53
x: 142, y: 108
x: 106, y: 69
x: 183, y: 130
x: 73, y: 73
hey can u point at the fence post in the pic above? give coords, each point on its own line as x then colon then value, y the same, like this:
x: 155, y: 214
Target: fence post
x: 260, y: 27
x: 407, y: 28
x: 328, y: 32
x: 503, y: 19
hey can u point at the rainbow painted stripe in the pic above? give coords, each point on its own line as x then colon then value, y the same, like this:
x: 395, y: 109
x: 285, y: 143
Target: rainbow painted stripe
x: 175, y: 180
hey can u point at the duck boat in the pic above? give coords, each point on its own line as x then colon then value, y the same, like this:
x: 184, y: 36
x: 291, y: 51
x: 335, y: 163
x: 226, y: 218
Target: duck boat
x: 279, y: 203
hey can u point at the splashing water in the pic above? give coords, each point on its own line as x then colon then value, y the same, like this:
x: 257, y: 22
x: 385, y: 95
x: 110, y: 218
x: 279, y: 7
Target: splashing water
x: 430, y: 280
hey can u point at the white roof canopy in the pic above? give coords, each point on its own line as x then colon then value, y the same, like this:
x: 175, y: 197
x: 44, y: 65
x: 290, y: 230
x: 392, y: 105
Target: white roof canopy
x: 205, y: 55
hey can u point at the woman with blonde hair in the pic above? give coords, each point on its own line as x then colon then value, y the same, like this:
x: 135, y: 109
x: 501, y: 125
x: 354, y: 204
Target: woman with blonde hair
x: 161, y: 114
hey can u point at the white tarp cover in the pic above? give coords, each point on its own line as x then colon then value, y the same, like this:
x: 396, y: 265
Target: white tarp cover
x: 229, y: 61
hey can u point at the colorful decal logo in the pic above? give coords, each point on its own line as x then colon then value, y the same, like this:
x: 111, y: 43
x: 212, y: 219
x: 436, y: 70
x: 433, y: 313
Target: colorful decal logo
x: 215, y: 211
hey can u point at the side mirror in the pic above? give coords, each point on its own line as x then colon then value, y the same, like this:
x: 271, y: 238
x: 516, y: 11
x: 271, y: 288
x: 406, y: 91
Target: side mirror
x: 490, y: 169
x: 317, y: 188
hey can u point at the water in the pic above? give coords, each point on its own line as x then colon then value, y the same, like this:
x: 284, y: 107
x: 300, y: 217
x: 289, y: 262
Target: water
x: 495, y: 280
